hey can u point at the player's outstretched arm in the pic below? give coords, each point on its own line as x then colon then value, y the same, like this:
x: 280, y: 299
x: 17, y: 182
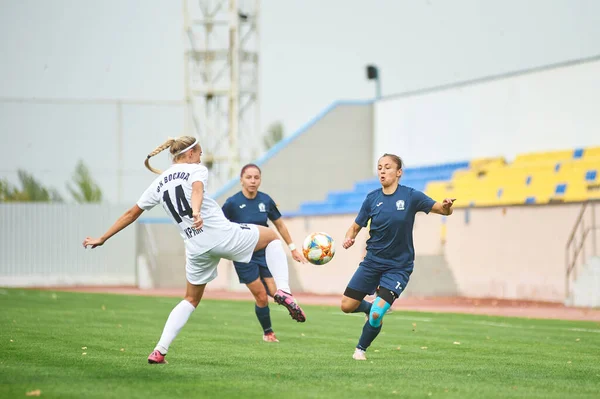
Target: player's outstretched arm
x: 351, y: 235
x: 285, y: 234
x: 444, y: 207
x: 125, y: 220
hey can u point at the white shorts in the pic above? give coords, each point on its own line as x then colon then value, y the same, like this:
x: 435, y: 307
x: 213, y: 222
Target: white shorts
x: 239, y: 246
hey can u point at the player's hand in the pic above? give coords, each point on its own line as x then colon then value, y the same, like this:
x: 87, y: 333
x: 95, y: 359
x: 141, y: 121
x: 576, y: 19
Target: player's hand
x: 198, y: 222
x: 447, y: 203
x: 348, y: 242
x: 298, y: 256
x: 93, y: 242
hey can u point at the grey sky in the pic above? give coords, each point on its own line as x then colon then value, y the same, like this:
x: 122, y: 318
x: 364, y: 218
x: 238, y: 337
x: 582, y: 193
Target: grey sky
x: 92, y: 49
x: 416, y: 43
x: 313, y: 51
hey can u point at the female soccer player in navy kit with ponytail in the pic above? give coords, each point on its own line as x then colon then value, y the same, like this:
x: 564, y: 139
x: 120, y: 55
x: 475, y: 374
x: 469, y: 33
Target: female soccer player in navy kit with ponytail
x: 390, y: 256
x: 252, y: 206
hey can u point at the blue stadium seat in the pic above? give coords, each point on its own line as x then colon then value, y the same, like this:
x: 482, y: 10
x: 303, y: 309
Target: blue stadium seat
x: 590, y: 175
x: 578, y: 153
x: 350, y: 201
x: 560, y: 189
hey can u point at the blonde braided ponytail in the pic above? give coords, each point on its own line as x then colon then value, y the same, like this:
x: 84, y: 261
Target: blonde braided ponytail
x: 156, y: 151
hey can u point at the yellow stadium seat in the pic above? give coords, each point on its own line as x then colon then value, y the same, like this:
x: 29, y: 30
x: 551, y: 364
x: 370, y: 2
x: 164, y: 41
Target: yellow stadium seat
x: 591, y: 152
x: 539, y: 178
x: 481, y: 163
x: 576, y: 193
x: 576, y: 171
x: 547, y: 157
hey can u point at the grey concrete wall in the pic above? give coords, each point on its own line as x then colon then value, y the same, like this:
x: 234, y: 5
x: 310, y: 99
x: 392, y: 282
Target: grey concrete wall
x: 332, y: 153
x: 164, y: 254
x: 432, y: 276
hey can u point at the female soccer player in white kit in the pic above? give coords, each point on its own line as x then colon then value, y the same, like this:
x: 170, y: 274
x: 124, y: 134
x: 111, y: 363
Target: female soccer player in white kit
x: 207, y: 234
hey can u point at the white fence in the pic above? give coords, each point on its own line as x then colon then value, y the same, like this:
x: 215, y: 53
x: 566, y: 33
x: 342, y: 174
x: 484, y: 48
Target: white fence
x: 41, y: 245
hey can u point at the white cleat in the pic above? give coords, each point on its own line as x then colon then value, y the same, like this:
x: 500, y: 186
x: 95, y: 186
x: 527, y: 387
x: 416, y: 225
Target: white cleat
x: 359, y: 354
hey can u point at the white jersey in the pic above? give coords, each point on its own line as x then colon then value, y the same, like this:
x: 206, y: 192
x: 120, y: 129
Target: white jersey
x: 173, y: 188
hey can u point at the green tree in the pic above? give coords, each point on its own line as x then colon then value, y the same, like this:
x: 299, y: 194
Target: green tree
x: 85, y: 188
x: 5, y: 190
x: 31, y: 190
x: 273, y: 135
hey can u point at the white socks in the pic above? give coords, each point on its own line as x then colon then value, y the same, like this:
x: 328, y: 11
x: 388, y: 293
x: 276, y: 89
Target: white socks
x: 177, y: 319
x: 277, y: 264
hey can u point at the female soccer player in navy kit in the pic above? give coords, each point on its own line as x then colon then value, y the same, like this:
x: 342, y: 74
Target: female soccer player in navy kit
x: 207, y: 234
x: 253, y: 206
x: 390, y: 252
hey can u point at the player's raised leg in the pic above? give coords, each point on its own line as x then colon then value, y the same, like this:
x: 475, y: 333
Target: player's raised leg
x: 177, y: 319
x: 270, y: 285
x: 360, y: 285
x: 351, y: 305
x: 277, y: 263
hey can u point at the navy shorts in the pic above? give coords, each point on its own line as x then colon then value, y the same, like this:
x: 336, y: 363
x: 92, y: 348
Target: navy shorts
x: 371, y: 275
x: 249, y: 272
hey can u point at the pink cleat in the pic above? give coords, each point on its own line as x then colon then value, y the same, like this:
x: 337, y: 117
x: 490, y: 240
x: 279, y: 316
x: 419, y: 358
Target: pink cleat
x: 156, y: 358
x: 287, y: 300
x: 270, y: 337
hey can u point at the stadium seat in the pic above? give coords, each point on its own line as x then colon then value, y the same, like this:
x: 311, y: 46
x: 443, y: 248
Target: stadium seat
x: 550, y: 156
x: 591, y: 152
x: 569, y: 175
x: 350, y: 201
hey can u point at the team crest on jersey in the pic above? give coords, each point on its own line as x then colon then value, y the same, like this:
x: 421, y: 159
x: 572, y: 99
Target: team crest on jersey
x: 262, y: 207
x: 400, y: 205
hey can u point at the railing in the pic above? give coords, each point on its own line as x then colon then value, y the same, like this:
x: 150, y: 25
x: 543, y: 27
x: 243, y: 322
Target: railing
x: 576, y: 244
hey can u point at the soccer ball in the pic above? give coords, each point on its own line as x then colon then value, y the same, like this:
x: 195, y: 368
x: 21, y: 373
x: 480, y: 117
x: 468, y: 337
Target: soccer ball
x: 318, y: 248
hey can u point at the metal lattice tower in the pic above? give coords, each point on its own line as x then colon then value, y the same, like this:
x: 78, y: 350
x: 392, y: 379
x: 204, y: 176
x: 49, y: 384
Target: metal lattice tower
x: 221, y: 83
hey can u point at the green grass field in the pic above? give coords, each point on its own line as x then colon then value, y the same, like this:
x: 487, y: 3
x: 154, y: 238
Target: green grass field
x: 69, y: 345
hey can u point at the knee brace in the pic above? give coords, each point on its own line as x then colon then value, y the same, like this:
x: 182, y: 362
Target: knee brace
x: 380, y: 306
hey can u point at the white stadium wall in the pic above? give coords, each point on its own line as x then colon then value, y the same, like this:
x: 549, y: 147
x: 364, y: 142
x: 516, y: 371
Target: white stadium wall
x: 544, y: 109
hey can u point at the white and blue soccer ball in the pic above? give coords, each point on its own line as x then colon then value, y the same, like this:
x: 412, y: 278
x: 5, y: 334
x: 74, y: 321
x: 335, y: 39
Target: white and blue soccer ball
x: 318, y: 248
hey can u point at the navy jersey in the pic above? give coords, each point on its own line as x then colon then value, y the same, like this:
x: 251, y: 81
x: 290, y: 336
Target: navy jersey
x: 257, y: 210
x: 392, y: 219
